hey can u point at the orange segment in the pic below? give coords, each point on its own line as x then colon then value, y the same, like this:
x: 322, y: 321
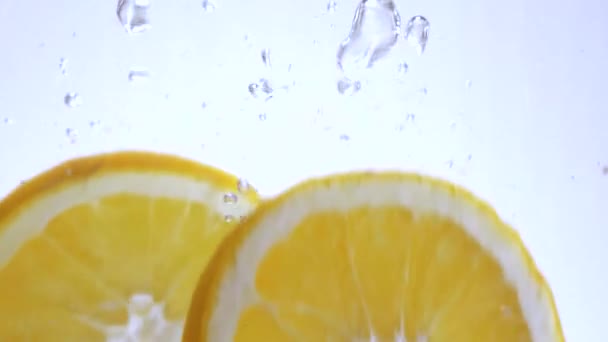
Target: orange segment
x: 373, y: 257
x: 109, y: 247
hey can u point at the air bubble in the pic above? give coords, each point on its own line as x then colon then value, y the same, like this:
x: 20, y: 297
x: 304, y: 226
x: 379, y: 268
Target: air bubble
x: 134, y: 15
x: 72, y: 100
x: 348, y: 87
x: 243, y: 185
x: 262, y: 117
x: 331, y: 6
x: 138, y: 75
x: 230, y: 198
x: 374, y: 31
x: 63, y: 66
x: 417, y: 33
x: 265, y: 54
x: 263, y: 87
x: 208, y: 6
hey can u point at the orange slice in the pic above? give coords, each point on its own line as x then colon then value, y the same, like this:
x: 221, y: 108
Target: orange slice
x: 109, y: 247
x: 373, y: 257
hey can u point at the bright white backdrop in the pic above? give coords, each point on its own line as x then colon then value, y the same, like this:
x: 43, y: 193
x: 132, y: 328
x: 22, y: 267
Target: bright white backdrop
x: 509, y: 99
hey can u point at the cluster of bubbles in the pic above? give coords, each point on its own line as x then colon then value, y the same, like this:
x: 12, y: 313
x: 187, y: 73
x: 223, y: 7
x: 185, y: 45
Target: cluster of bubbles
x: 375, y: 30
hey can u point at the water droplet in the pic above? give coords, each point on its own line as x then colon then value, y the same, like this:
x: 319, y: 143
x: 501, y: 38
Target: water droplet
x: 262, y: 117
x: 266, y: 57
x: 344, y: 137
x: 208, y: 6
x: 72, y: 100
x: 230, y: 198
x: 138, y: 75
x: 228, y: 218
x: 403, y: 67
x: 331, y: 6
x: 242, y: 185
x: 63, y: 66
x: 374, y: 31
x: 348, y: 87
x: 417, y: 33
x: 134, y: 15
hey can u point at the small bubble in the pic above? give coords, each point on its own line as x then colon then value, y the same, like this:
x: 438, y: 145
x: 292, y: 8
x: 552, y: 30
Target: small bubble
x: 468, y: 84
x: 230, y: 198
x: 423, y: 91
x: 374, y: 31
x: 72, y: 134
x: 133, y: 15
x: 348, y: 87
x: 63, y: 66
x: 228, y: 218
x: 8, y: 121
x: 403, y: 68
x: 265, y: 54
x: 450, y: 163
x: 242, y: 185
x: 262, y: 117
x: 204, y: 105
x: 417, y: 33
x: 344, y: 137
x: 138, y: 75
x: 72, y: 100
x: 263, y: 86
x: 94, y: 123
x: 410, y: 117
x: 208, y: 6
x: 331, y: 6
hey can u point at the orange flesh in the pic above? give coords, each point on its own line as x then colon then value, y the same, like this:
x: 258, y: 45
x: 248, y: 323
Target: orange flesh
x: 381, y: 272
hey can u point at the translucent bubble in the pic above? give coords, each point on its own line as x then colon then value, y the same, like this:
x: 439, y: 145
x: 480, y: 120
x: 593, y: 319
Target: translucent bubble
x: 243, y: 185
x: 403, y: 68
x: 344, y: 137
x: 230, y: 198
x: 348, y: 87
x: 266, y: 57
x: 138, y: 75
x: 71, y: 134
x: 63, y: 66
x: 262, y: 117
x: 8, y: 121
x: 261, y: 88
x: 208, y: 6
x: 417, y: 33
x: 331, y: 6
x: 72, y: 100
x: 374, y: 31
x: 134, y: 15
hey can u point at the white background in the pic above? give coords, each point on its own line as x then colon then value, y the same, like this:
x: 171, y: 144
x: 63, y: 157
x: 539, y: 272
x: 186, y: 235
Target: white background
x: 515, y: 107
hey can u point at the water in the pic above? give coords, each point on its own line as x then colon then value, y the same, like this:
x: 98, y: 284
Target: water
x: 417, y: 33
x: 134, y: 15
x: 374, y: 31
x: 72, y: 100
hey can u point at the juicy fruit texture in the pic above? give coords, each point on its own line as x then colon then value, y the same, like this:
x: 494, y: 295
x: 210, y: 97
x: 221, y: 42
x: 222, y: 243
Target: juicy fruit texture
x: 373, y: 257
x: 109, y: 247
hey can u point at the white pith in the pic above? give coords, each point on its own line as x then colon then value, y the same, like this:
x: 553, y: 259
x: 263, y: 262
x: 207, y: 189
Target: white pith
x: 237, y: 290
x: 151, y: 324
